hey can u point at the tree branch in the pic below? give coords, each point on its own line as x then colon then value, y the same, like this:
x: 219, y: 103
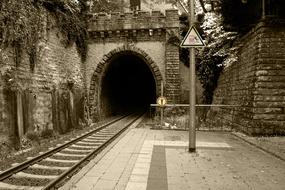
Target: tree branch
x: 203, y: 6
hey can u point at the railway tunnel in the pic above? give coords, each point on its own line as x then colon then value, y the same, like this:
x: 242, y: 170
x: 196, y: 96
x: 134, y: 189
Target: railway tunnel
x: 127, y: 85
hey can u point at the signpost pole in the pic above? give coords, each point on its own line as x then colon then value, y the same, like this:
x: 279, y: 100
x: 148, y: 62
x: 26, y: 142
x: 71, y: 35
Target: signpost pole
x: 192, y: 90
x: 161, y: 108
x: 263, y: 9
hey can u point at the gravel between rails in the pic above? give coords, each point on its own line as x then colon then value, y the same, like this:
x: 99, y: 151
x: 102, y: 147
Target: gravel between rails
x: 75, y: 152
x: 43, y: 147
x: 60, y: 164
x: 26, y: 181
x: 65, y: 157
x: 43, y: 171
x: 7, y: 161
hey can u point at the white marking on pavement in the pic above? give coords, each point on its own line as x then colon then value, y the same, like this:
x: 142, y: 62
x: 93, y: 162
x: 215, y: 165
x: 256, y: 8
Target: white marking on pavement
x: 140, y: 172
x: 139, y: 175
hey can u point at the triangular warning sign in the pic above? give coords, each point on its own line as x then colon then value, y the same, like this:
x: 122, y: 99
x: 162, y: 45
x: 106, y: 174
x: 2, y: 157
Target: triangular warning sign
x: 192, y: 39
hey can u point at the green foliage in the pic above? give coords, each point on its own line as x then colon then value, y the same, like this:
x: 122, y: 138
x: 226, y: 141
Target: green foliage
x: 47, y: 133
x: 5, y: 150
x: 21, y: 27
x: 209, y: 68
x: 105, y: 6
x: 33, y: 136
x: 240, y: 15
x: 23, y: 24
x: 71, y: 20
x: 184, y: 27
x: 218, y: 53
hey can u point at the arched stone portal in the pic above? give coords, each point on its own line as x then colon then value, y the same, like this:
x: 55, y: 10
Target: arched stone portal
x: 125, y: 79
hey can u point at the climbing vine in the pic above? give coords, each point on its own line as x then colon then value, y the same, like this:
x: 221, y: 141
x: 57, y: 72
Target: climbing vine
x: 24, y: 22
x: 71, y: 20
x: 21, y: 27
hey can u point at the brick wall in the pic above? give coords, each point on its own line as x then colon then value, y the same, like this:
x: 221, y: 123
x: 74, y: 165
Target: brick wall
x: 33, y: 106
x: 256, y: 84
x: 172, y: 68
x: 152, y: 35
x: 172, y: 73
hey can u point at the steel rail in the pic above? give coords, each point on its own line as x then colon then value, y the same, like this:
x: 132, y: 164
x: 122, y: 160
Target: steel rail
x: 7, y: 173
x: 53, y: 184
x: 197, y: 105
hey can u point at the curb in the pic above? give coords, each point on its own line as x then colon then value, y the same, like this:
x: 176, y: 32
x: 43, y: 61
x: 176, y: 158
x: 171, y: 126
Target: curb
x: 259, y: 147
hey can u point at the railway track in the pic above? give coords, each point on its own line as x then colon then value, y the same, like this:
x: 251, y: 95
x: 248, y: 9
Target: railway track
x: 49, y: 170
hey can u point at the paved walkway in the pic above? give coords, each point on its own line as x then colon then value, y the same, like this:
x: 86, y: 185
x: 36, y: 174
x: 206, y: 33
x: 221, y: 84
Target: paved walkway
x: 145, y: 159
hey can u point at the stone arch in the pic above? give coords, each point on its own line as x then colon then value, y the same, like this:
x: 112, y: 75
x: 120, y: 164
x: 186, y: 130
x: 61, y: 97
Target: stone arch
x: 95, y: 83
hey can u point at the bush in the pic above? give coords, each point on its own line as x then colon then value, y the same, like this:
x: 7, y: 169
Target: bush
x: 47, y: 133
x: 5, y: 150
x: 33, y: 136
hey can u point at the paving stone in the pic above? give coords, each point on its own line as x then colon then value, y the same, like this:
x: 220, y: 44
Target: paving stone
x: 138, y: 178
x: 136, y: 186
x: 103, y: 184
x: 233, y: 165
x: 85, y: 183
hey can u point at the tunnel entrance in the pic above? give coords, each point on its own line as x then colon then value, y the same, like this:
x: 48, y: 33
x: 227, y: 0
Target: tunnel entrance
x: 127, y: 85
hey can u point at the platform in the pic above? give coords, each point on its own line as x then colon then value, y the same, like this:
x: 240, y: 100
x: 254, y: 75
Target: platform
x: 144, y: 159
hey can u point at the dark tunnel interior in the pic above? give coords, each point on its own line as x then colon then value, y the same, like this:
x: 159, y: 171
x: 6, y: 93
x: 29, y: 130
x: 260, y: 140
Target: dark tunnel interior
x: 128, y: 85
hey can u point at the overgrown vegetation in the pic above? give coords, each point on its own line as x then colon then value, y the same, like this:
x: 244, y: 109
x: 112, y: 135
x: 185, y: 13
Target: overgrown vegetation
x: 211, y: 59
x: 218, y: 53
x: 105, y: 6
x: 242, y: 15
x: 21, y: 27
x: 220, y: 26
x: 24, y: 24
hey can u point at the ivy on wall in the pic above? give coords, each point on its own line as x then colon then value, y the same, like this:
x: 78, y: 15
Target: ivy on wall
x: 71, y: 20
x: 21, y: 27
x: 23, y: 24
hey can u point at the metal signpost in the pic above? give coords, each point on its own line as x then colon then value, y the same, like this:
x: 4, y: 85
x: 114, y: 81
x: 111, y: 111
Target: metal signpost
x: 161, y: 101
x: 192, y: 40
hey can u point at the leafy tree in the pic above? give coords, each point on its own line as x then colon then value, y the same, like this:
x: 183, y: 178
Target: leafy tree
x: 218, y: 53
x: 230, y: 19
x: 241, y: 15
x: 105, y: 6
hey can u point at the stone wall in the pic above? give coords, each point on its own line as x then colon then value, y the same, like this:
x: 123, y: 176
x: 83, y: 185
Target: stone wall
x: 255, y: 84
x: 37, y: 101
x: 152, y: 35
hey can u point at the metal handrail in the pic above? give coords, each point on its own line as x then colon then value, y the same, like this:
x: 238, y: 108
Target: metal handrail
x: 197, y: 105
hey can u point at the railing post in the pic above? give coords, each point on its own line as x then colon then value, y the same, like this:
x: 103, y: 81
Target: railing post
x: 263, y: 9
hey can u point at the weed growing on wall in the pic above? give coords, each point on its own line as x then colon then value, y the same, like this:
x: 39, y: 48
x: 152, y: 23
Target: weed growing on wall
x: 20, y: 29
x: 23, y: 24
